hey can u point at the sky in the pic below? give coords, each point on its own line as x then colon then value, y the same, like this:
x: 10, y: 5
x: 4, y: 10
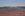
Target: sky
x: 10, y: 2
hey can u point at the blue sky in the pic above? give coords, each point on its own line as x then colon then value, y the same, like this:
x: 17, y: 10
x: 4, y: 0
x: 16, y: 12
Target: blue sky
x: 7, y: 1
x: 3, y: 2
